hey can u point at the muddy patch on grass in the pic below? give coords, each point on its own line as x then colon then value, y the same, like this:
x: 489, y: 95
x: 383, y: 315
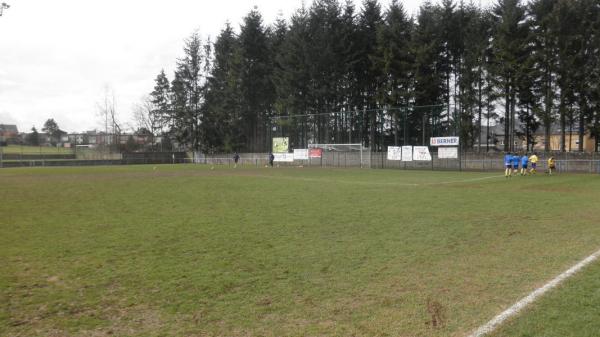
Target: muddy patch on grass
x: 436, y: 314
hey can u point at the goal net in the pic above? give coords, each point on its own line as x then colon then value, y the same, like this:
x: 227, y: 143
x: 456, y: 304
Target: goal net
x: 343, y: 155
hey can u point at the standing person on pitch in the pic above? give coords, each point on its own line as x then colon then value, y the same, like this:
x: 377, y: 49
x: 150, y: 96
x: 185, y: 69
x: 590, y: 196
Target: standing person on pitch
x: 515, y: 162
x: 524, y: 162
x: 236, y: 158
x: 551, y: 165
x: 533, y: 159
x: 271, y: 158
x: 507, y: 164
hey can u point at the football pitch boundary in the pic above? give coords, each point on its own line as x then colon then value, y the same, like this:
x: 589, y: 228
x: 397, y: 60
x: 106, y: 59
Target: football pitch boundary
x: 516, y: 308
x: 379, y: 183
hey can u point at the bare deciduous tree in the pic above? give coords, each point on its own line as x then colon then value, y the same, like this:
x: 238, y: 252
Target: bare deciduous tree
x: 108, y: 114
x: 147, y: 117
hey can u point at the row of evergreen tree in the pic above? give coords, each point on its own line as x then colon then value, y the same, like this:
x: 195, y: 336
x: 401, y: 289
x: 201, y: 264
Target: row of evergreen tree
x: 335, y: 74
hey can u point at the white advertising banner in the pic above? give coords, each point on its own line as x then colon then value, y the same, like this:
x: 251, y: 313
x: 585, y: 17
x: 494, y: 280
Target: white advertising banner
x: 444, y: 141
x: 300, y: 154
x: 448, y: 153
x: 421, y: 153
x: 284, y: 157
x: 394, y: 153
x: 407, y: 153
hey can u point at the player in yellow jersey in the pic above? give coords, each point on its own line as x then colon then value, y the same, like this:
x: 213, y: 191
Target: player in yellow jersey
x: 533, y: 160
x: 551, y: 165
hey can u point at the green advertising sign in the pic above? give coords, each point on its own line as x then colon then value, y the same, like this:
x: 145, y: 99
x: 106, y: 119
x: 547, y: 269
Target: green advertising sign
x: 280, y: 144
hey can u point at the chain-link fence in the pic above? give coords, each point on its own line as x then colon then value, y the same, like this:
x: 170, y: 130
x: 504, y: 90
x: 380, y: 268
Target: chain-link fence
x: 134, y: 158
x: 469, y: 161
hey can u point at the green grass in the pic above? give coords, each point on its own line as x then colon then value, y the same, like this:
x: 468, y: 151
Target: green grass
x: 572, y: 310
x: 188, y: 251
x: 25, y: 149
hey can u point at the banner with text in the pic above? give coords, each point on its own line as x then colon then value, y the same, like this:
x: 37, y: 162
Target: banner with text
x: 394, y: 153
x: 421, y: 153
x: 407, y: 153
x: 300, y: 154
x: 315, y: 153
x: 448, y: 153
x: 444, y: 141
x: 284, y: 157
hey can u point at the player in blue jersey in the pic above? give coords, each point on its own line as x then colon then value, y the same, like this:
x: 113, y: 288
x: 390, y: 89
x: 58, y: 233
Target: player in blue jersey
x: 507, y: 164
x: 524, y: 162
x: 515, y: 161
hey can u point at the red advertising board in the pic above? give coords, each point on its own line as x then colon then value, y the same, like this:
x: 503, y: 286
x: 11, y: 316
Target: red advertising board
x: 315, y: 153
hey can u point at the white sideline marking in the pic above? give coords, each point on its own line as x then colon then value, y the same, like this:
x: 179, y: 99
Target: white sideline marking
x: 377, y: 183
x: 462, y: 181
x: 521, y: 304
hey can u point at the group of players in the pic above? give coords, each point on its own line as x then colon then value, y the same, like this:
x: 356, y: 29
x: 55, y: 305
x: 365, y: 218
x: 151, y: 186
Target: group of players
x: 512, y: 161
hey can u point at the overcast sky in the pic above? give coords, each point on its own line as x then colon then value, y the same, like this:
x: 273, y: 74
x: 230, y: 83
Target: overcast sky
x: 58, y: 56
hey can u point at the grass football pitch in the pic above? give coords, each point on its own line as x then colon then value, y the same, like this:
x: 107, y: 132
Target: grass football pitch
x: 41, y: 150
x: 189, y: 251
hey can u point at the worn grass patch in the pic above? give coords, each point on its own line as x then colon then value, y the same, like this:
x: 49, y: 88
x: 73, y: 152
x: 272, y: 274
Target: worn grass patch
x: 189, y: 251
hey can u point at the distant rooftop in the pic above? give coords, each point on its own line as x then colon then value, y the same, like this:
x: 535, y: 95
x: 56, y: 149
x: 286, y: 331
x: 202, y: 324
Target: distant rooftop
x: 8, y: 128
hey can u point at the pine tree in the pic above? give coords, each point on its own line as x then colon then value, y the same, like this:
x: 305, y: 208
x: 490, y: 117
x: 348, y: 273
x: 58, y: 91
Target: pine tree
x: 292, y: 78
x: 593, y: 116
x: 349, y: 91
x: 543, y: 40
x: 256, y: 82
x: 469, y: 71
x: 323, y: 55
x: 429, y: 72
x: 33, y: 138
x: 507, y: 45
x: 396, y: 61
x: 222, y: 120
x: 448, y: 32
x: 188, y: 93
x: 368, y: 75
x: 178, y: 127
x: 160, y: 99
x: 585, y: 59
x: 563, y: 20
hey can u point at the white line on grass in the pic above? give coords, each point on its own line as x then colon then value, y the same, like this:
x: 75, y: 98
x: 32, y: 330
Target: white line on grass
x: 520, y: 305
x: 461, y: 181
x: 376, y: 183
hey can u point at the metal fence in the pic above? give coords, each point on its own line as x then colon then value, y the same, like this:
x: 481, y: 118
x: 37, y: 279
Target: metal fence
x: 469, y: 161
x: 137, y: 158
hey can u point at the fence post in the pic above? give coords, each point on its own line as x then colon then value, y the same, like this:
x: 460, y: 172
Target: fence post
x: 460, y: 156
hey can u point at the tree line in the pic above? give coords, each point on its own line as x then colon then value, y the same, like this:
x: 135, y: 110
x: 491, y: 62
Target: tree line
x: 334, y: 73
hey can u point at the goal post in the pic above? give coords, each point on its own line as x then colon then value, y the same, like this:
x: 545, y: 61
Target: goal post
x: 343, y: 148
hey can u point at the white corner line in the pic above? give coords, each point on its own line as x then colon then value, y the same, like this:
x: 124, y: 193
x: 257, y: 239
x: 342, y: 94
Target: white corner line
x: 520, y: 305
